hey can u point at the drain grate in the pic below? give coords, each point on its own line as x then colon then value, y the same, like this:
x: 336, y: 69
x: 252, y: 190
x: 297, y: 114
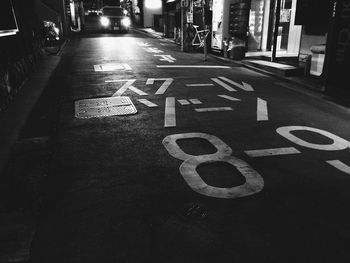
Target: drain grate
x: 104, y: 107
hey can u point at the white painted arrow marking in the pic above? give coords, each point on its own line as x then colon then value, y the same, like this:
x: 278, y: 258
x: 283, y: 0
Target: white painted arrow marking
x: 245, y: 86
x: 223, y: 84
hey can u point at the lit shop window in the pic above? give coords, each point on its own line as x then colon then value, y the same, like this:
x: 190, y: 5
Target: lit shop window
x: 153, y: 4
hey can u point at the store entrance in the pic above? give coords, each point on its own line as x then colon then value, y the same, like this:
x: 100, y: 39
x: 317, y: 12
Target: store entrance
x: 262, y: 24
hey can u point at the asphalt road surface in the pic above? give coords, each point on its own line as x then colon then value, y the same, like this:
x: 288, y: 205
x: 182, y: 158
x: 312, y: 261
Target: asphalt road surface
x: 219, y: 164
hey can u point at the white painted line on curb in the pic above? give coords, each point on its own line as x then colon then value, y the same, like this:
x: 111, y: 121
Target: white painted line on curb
x: 213, y: 109
x: 229, y: 98
x: 170, y: 115
x: 184, y: 102
x: 148, y: 103
x: 262, y: 112
x: 272, y: 152
x: 340, y: 166
x: 195, y: 101
x: 223, y: 84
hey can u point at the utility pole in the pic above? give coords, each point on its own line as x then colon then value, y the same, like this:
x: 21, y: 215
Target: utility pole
x: 205, y: 48
x: 275, y: 33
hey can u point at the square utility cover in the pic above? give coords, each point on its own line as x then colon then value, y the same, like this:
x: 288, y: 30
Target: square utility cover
x: 103, y: 107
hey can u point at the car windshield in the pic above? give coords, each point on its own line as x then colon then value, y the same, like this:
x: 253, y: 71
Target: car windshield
x: 113, y: 12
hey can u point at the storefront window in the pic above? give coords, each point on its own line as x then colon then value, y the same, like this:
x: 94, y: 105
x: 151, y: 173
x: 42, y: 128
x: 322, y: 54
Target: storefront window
x: 256, y: 19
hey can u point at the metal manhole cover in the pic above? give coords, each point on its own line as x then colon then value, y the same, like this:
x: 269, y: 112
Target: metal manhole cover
x: 103, y: 107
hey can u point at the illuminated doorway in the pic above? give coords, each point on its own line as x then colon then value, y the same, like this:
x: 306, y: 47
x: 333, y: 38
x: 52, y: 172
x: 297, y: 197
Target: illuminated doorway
x: 262, y: 24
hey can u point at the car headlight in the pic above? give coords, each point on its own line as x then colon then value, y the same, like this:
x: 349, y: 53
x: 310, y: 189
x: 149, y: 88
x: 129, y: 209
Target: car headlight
x: 104, y: 21
x: 126, y: 21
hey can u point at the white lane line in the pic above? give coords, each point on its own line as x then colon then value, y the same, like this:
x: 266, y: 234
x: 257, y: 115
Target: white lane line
x: 184, y: 102
x: 213, y: 109
x: 340, y: 166
x: 272, y: 152
x: 189, y: 66
x: 223, y: 84
x: 153, y: 50
x: 170, y: 115
x: 164, y: 87
x: 262, y: 112
x: 148, y: 103
x: 229, y: 98
x: 200, y: 85
x: 195, y: 101
x: 245, y: 86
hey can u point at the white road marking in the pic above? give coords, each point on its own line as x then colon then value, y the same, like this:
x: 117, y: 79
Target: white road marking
x: 144, y: 44
x: 164, y: 87
x: 184, y: 102
x: 340, y: 166
x: 213, y: 109
x: 272, y: 152
x: 170, y: 115
x: 337, y: 145
x: 195, y: 101
x: 136, y: 90
x: 190, y: 66
x: 167, y: 58
x: 262, y: 112
x: 126, y: 86
x: 153, y: 50
x: 253, y: 184
x: 200, y: 85
x: 112, y: 67
x: 126, y: 66
x: 148, y: 103
x: 229, y: 98
x: 223, y: 84
x: 245, y: 86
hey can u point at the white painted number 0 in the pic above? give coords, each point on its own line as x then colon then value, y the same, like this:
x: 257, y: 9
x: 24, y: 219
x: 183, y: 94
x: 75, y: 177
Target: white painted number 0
x: 254, y: 182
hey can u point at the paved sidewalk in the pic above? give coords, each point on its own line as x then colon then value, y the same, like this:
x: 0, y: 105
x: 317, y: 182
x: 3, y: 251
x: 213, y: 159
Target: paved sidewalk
x: 21, y: 165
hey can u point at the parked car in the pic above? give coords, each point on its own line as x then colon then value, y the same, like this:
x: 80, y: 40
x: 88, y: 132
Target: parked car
x: 114, y: 18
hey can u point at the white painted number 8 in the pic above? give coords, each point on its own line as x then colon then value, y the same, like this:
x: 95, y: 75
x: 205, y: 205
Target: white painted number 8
x: 254, y: 182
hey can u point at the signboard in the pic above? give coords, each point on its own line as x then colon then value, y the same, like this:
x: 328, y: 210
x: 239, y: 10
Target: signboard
x: 8, y: 23
x: 337, y: 61
x: 217, y: 33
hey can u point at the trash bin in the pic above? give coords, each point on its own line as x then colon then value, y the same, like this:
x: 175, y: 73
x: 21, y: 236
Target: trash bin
x: 237, y: 49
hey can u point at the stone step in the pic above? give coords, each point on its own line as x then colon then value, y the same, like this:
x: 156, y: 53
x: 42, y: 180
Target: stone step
x: 277, y: 68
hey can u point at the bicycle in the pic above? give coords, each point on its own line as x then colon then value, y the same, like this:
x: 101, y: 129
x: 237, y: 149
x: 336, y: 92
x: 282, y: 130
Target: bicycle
x: 199, y: 37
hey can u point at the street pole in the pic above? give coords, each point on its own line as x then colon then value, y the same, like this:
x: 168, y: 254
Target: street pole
x: 205, y: 49
x: 182, y: 25
x: 275, y: 33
